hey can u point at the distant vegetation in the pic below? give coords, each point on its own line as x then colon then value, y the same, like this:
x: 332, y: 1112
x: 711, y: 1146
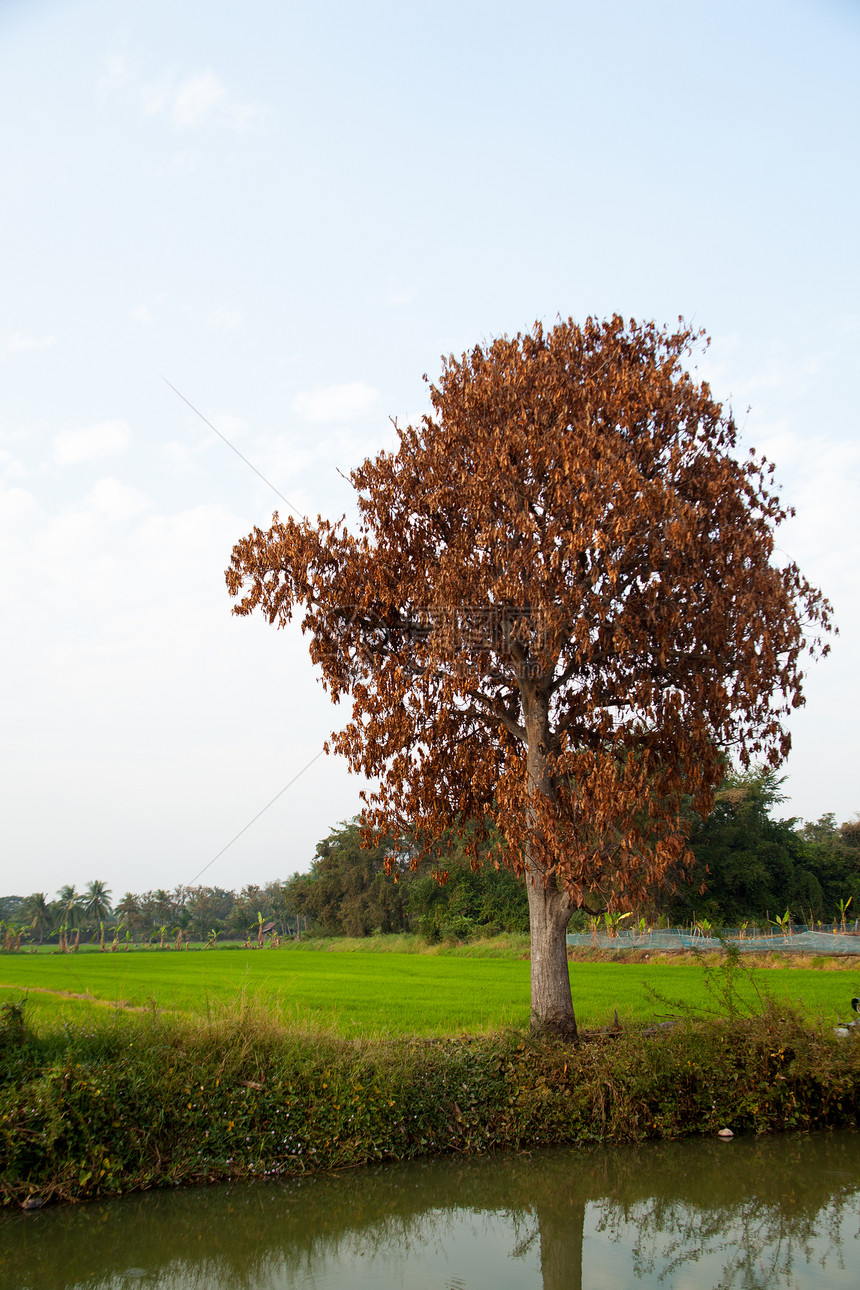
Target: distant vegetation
x: 753, y: 868
x: 207, y: 914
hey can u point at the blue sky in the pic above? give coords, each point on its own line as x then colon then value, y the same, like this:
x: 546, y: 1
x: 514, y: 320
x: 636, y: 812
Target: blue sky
x: 290, y: 212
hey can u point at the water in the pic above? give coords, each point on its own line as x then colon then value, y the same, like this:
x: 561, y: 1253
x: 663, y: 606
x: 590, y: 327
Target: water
x: 696, y: 1215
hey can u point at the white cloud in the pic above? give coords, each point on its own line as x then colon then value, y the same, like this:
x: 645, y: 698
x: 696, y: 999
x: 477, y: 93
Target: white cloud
x: 195, y: 99
x: 12, y: 467
x: 780, y: 372
x: 102, y: 439
x: 229, y: 424
x: 188, y: 101
x: 17, y: 343
x: 326, y: 403
x: 243, y: 115
x: 117, y: 501
x: 144, y: 313
x: 224, y: 319
x: 16, y: 505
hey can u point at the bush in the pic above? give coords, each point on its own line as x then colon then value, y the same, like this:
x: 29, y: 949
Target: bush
x: 142, y: 1101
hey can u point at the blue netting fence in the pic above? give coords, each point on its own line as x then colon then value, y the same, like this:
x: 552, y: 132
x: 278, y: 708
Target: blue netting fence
x: 806, y: 940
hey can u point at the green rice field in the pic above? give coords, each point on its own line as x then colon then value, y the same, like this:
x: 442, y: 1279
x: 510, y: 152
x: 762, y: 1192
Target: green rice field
x: 367, y: 994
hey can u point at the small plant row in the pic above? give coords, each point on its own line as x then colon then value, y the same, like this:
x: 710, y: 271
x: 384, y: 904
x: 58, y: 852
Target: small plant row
x: 615, y: 923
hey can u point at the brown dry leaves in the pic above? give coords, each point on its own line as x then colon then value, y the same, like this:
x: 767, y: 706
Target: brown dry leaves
x: 560, y: 605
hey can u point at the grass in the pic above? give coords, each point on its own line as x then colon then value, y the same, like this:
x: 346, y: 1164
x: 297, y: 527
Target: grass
x: 352, y: 994
x: 382, y: 987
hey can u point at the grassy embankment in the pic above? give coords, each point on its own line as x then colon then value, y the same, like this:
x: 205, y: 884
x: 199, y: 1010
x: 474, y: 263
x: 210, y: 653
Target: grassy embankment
x: 252, y: 1082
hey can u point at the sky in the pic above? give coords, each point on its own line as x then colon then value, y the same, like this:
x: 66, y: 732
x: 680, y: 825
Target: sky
x: 279, y: 217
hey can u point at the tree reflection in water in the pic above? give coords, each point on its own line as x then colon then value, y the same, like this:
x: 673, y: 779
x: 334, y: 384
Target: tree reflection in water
x: 746, y: 1214
x: 769, y: 1211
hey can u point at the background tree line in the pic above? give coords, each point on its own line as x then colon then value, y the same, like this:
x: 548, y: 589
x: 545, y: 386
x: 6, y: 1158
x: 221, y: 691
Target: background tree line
x: 347, y: 892
x: 753, y: 867
x: 195, y: 913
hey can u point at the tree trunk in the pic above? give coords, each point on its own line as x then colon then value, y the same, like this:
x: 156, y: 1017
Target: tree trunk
x: 561, y: 1238
x: 549, y: 909
x: 552, y: 1002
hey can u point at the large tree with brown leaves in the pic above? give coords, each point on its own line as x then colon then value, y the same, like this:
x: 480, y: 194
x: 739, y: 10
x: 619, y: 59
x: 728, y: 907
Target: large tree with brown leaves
x: 559, y: 611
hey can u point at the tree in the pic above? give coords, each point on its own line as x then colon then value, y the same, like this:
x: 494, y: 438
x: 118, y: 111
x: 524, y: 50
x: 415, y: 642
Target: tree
x: 208, y: 908
x: 70, y: 907
x: 472, y: 898
x: 158, y: 908
x: 13, y: 907
x: 834, y: 856
x: 37, y: 911
x: 346, y: 893
x: 129, y: 910
x: 97, y: 906
x: 850, y: 832
x: 558, y: 611
x: 748, y: 865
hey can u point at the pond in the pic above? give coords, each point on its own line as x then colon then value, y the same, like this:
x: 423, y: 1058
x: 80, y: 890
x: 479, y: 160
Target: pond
x: 693, y: 1215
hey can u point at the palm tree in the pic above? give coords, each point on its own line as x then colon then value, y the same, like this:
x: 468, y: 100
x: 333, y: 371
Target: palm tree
x: 129, y: 909
x: 164, y: 907
x: 97, y: 899
x: 71, y: 907
x: 38, y: 911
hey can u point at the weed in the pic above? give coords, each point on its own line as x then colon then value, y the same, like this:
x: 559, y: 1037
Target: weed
x: 136, y: 1100
x: 730, y: 984
x: 13, y: 1031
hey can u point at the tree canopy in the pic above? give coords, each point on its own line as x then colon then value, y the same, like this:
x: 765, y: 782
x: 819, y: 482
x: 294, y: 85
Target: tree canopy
x: 749, y: 865
x: 346, y: 892
x: 559, y: 610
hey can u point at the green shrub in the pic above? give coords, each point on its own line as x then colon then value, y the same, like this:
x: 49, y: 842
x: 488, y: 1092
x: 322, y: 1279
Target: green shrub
x: 138, y: 1101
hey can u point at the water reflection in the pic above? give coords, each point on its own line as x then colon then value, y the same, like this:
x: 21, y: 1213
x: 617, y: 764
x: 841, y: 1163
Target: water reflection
x: 778, y: 1212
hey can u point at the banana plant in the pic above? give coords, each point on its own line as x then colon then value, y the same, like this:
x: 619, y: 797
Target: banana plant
x: 612, y: 922
x: 783, y: 922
